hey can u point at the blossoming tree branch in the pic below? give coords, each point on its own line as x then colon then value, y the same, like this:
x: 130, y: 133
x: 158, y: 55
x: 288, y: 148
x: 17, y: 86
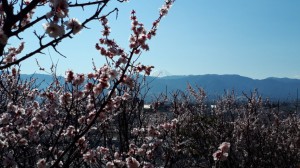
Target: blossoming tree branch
x: 66, y: 124
x: 98, y: 119
x: 17, y: 16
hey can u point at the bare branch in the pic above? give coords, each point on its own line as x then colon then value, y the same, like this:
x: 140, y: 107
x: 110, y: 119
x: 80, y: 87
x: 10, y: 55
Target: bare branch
x: 21, y: 29
x: 82, y: 5
x: 25, y: 11
x: 54, y: 47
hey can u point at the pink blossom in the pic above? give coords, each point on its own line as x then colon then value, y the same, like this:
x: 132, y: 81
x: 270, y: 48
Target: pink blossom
x: 70, y: 76
x: 5, y: 118
x: 149, y: 154
x: 98, y: 89
x: 54, y: 30
x: 126, y: 96
x: 102, y: 116
x: 116, y: 155
x: 103, y: 20
x: 118, y: 163
x: 164, y: 11
x: 122, y: 60
x: 81, y: 120
x: 113, y: 74
x: 224, y: 147
x: 128, y: 81
x: 132, y: 162
x: 219, y: 155
x: 26, y: 2
x: 89, y: 86
x: 90, y: 75
x: 74, y: 25
x: 3, y: 143
x: 81, y: 142
x: 65, y: 98
x: 61, y: 7
x: 41, y: 163
x: 12, y: 53
x: 165, y: 8
x: 135, y: 131
x: 102, y: 150
x: 222, y: 153
x: 110, y: 165
x: 106, y: 31
x: 26, y: 20
x: 50, y: 14
x: 134, y: 22
x: 141, y: 151
x: 79, y: 79
x: 90, y: 156
x: 145, y: 47
x: 70, y: 131
x: 23, y: 141
x: 34, y: 121
x: 147, y: 165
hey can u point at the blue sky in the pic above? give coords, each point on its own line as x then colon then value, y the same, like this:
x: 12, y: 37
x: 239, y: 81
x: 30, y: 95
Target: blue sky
x: 257, y: 38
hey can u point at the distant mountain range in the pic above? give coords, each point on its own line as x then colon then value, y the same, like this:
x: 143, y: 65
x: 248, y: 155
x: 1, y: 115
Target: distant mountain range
x: 214, y: 85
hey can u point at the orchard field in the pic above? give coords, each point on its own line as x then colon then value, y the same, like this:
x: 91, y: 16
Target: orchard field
x: 98, y: 119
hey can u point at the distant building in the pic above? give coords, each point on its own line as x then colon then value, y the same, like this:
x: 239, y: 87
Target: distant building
x: 147, y: 106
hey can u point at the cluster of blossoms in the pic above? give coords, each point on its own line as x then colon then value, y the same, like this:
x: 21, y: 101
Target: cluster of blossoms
x: 60, y: 10
x: 139, y: 36
x: 104, y: 22
x: 146, y: 69
x: 111, y: 50
x: 12, y: 53
x: 130, y: 162
x: 55, y: 26
x: 54, y: 30
x: 166, y: 7
x: 97, y: 119
x: 74, y: 25
x: 152, y: 139
x: 222, y: 152
x: 137, y: 40
x: 37, y: 120
x: 27, y: 19
x: 73, y: 122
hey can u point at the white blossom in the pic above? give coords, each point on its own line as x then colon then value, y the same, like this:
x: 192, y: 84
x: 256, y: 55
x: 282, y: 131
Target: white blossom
x: 54, y: 30
x: 74, y: 25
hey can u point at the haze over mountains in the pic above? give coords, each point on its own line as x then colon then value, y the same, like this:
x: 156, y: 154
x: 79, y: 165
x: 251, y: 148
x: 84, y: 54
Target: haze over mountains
x: 215, y: 85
